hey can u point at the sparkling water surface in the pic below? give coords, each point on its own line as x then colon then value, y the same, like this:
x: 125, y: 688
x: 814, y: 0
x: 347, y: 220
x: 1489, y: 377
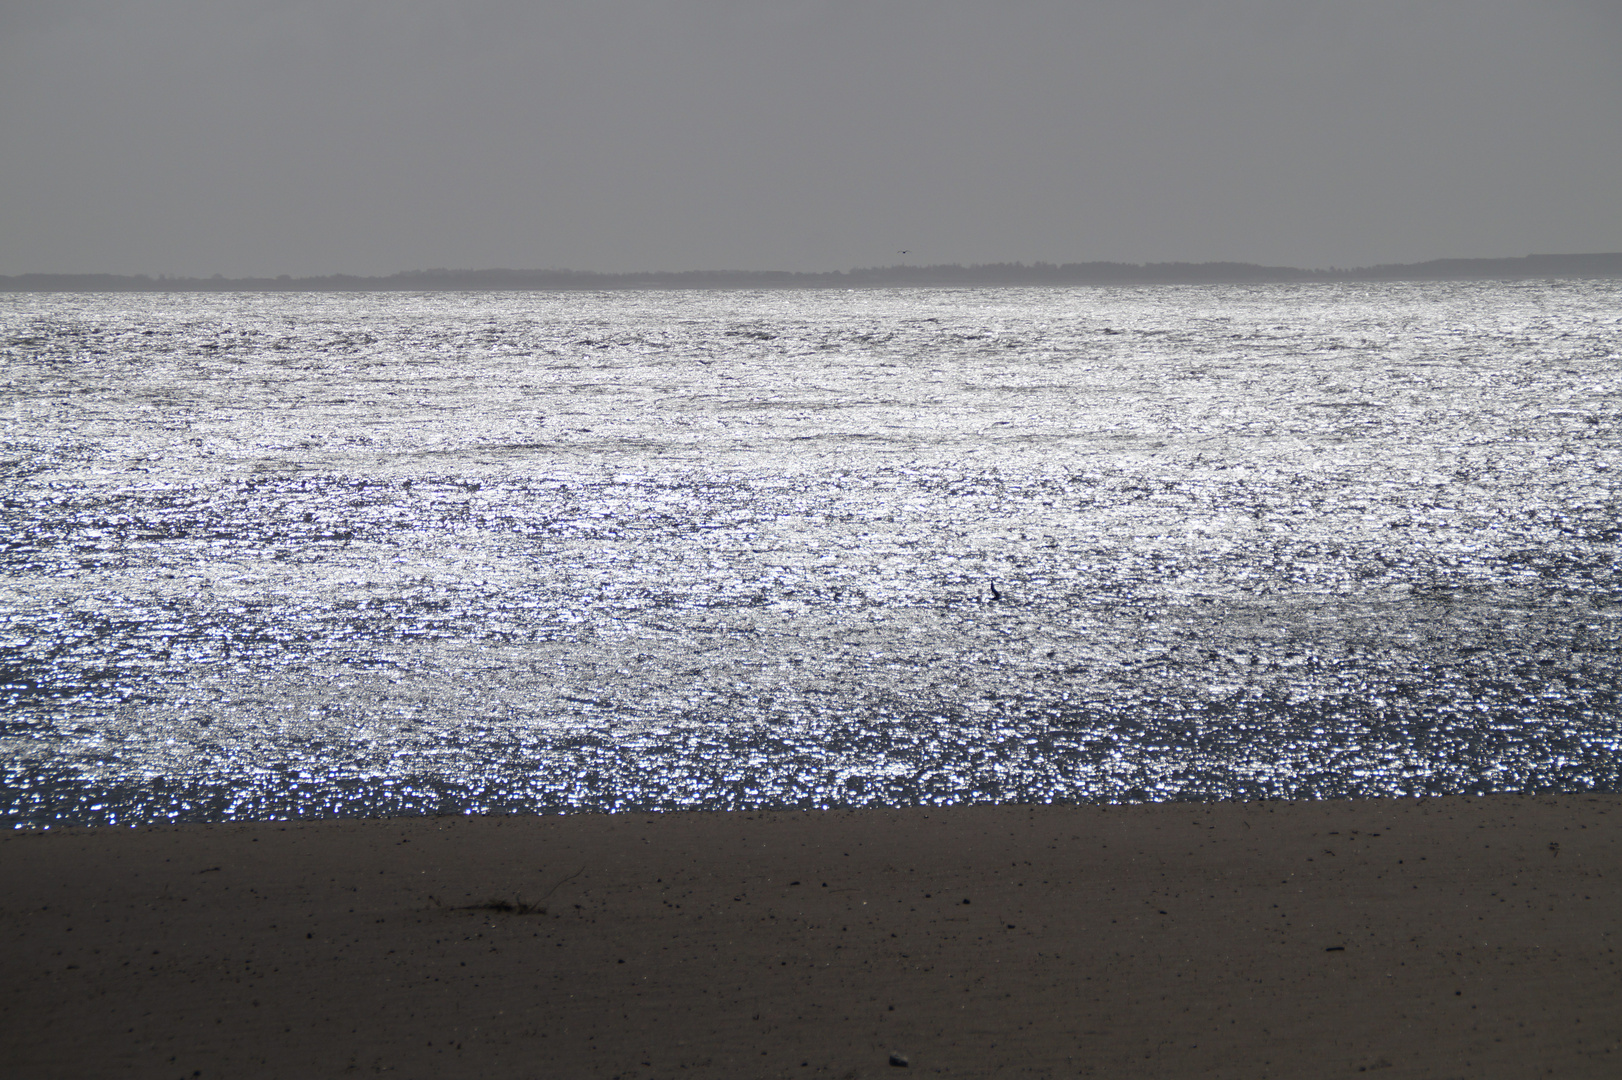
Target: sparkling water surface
x: 273, y: 555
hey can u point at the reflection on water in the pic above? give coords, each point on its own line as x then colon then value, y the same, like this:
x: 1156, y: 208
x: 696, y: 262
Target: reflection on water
x: 273, y: 555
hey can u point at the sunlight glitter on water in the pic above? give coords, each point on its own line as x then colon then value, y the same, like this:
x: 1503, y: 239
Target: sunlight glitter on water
x: 309, y: 555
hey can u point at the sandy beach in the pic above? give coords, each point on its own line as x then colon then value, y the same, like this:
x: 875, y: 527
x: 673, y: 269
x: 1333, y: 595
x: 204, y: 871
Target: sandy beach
x: 1457, y: 937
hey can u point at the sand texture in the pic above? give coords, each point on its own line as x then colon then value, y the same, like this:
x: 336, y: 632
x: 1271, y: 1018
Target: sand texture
x: 1460, y: 937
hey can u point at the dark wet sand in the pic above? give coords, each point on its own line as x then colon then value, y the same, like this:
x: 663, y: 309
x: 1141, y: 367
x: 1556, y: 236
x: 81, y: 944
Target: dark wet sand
x: 1435, y: 938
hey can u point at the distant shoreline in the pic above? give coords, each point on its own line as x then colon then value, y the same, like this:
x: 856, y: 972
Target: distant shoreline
x: 1523, y: 268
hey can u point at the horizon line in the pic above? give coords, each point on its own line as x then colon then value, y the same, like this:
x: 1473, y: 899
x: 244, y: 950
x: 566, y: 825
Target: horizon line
x: 1587, y: 264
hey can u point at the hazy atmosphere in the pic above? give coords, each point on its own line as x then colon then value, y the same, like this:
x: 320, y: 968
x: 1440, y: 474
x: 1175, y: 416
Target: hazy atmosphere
x: 361, y: 136
x: 625, y: 539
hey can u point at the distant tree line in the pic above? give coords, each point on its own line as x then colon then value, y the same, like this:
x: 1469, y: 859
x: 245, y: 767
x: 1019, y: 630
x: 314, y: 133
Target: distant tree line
x: 1528, y: 267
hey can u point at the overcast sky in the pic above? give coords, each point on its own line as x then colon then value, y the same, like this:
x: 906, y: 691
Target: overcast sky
x: 368, y: 136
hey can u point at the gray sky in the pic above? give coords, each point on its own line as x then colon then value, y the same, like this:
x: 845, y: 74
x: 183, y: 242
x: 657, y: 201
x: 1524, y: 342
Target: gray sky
x: 369, y: 136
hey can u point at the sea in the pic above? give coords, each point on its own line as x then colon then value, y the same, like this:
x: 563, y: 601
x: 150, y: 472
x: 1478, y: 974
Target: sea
x: 310, y: 555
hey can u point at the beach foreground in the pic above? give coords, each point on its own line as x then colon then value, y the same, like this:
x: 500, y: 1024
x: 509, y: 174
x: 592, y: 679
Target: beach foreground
x: 1468, y: 937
